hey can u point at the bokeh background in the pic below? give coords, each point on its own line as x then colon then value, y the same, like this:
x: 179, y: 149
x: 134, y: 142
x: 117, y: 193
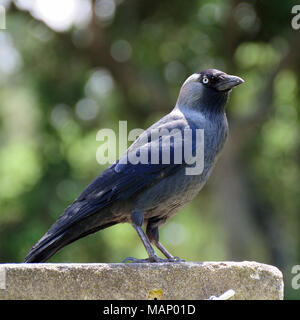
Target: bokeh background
x: 69, y: 68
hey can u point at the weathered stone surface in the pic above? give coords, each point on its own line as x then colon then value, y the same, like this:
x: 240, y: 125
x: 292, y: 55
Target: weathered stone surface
x: 189, y: 280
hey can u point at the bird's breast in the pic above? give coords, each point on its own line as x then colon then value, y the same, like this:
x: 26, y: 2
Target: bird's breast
x: 172, y: 192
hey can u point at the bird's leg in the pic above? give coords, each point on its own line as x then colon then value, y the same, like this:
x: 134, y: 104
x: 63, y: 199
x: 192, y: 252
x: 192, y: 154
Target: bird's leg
x: 153, y: 236
x: 137, y: 219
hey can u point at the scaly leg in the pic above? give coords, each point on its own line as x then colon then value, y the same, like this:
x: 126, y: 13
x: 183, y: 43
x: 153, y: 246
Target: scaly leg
x: 137, y: 219
x: 153, y: 236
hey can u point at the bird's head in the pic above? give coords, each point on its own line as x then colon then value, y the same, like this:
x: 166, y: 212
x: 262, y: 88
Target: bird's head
x: 208, y: 89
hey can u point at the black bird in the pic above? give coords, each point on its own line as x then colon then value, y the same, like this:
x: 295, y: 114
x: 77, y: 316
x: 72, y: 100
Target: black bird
x: 147, y: 192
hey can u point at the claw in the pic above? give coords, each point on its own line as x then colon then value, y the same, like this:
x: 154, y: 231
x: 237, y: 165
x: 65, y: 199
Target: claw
x: 134, y: 260
x: 177, y: 259
x: 153, y: 259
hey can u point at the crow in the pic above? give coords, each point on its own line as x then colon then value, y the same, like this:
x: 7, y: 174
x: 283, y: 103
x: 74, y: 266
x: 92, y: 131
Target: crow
x: 153, y: 190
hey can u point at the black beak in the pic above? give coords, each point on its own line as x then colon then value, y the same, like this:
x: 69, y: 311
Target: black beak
x: 227, y: 82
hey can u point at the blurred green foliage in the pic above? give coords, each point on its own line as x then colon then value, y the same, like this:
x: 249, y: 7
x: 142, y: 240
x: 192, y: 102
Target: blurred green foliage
x: 126, y: 60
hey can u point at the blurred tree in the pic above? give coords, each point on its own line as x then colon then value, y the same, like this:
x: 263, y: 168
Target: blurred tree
x: 68, y: 69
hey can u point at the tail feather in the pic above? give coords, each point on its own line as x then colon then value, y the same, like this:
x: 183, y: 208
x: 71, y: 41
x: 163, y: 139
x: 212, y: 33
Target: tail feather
x: 43, y: 250
x: 51, y: 243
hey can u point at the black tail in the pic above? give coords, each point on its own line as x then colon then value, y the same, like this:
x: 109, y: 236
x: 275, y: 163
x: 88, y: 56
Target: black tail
x: 46, y: 248
x: 51, y: 243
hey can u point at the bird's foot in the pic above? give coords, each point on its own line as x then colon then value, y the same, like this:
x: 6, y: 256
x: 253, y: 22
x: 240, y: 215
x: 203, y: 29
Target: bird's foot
x: 152, y: 259
x: 175, y: 259
x: 134, y: 260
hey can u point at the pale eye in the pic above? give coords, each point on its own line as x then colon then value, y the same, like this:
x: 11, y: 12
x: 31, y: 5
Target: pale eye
x: 205, y: 80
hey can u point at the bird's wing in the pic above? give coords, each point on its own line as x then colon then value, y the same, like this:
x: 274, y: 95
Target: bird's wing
x: 123, y: 180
